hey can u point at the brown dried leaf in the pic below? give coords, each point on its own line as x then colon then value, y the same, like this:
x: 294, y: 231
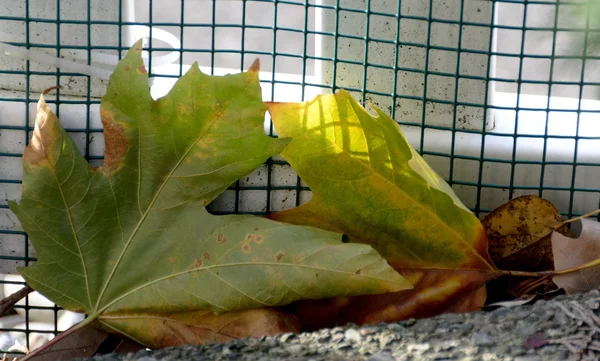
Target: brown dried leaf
x: 513, y: 303
x: 435, y: 292
x: 574, y: 252
x: 80, y: 342
x: 519, y: 235
x: 203, y: 326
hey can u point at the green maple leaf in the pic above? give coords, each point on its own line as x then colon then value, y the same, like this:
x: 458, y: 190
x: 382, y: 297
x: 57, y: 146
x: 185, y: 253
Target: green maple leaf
x: 133, y: 236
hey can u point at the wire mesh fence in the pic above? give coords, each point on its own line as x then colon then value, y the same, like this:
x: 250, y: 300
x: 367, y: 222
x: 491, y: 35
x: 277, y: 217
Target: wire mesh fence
x: 499, y: 96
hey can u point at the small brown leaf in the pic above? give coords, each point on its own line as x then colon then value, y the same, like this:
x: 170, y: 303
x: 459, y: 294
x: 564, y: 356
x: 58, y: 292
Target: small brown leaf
x: 519, y: 234
x: 80, y: 342
x: 574, y: 252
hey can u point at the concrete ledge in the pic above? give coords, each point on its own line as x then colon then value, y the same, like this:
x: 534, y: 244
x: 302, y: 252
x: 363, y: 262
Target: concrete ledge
x: 561, y: 328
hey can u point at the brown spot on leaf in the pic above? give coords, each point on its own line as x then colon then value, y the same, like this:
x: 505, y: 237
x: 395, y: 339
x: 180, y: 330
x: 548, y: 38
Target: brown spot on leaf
x: 358, y: 272
x: 246, y: 247
x: 206, y: 255
x: 255, y: 65
x: 183, y: 109
x: 254, y: 259
x: 142, y: 69
x: 221, y: 239
x: 258, y: 239
x: 46, y: 132
x: 278, y: 256
x: 127, y: 68
x: 171, y: 259
x: 198, y: 263
x: 256, y: 229
x: 114, y: 138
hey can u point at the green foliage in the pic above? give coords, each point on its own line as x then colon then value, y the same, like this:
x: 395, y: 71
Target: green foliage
x: 370, y: 183
x: 134, y: 235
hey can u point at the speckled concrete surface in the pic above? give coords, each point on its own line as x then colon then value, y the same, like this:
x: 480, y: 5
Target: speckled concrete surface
x: 562, y: 328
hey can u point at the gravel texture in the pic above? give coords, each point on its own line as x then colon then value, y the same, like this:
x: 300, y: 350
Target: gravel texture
x: 562, y: 328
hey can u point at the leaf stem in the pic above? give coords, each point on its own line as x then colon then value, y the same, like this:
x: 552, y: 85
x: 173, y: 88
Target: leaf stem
x: 9, y: 301
x: 524, y: 273
x: 593, y: 263
x: 578, y: 218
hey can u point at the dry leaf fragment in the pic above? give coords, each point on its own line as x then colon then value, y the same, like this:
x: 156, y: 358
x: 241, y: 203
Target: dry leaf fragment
x: 519, y: 234
x: 186, y: 328
x: 574, y: 252
x: 78, y: 343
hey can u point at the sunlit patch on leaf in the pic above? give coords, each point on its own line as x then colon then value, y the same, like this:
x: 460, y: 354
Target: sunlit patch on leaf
x: 369, y: 183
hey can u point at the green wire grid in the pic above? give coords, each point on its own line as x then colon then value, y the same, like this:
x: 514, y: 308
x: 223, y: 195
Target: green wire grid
x: 367, y: 10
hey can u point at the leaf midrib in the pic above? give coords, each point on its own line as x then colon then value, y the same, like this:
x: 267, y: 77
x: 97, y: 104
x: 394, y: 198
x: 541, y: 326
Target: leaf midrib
x: 238, y: 264
x: 68, y: 209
